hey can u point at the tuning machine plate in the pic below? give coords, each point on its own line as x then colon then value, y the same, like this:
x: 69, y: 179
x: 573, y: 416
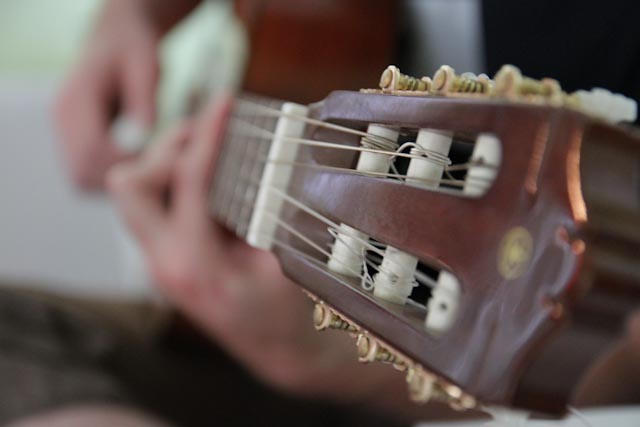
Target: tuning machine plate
x: 424, y: 386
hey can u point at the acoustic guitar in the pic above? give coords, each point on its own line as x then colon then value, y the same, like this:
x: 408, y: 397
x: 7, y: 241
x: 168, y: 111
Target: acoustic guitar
x: 480, y: 235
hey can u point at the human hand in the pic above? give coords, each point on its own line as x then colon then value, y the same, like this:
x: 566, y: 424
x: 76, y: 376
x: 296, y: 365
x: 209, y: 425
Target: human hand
x: 237, y: 294
x: 117, y: 74
x: 615, y: 377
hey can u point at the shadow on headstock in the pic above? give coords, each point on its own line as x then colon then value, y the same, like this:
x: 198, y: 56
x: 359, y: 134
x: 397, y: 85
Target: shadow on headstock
x: 544, y: 258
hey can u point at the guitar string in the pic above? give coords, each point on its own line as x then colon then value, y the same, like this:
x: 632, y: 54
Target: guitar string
x: 258, y: 134
x: 283, y: 245
x: 255, y: 183
x: 269, y: 135
x: 403, y: 178
x: 366, y: 280
x: 226, y: 198
x: 250, y: 130
x: 580, y: 417
x: 271, y: 111
x: 238, y: 195
x: 476, y: 180
x: 336, y: 228
x: 276, y: 112
x: 335, y: 231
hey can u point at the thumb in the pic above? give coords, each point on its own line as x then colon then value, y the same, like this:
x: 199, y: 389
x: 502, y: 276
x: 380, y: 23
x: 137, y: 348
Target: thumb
x: 139, y: 187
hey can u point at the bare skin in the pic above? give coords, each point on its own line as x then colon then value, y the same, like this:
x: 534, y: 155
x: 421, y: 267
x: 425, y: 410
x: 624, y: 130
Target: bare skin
x: 234, y: 292
x: 117, y: 74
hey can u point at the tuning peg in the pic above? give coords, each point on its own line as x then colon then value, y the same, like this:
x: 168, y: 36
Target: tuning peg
x: 447, y: 81
x: 424, y: 386
x: 421, y: 385
x: 393, y: 80
x: 510, y: 82
x: 325, y: 318
x: 370, y: 350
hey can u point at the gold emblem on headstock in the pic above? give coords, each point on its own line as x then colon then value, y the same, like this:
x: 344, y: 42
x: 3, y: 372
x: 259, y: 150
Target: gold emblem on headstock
x: 515, y: 253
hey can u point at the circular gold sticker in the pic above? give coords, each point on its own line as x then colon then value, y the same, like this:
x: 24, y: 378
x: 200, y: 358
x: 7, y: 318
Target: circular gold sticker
x: 515, y: 253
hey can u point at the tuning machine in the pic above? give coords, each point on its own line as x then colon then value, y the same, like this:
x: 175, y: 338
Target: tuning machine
x: 423, y: 385
x: 392, y: 81
x: 326, y: 318
x: 371, y: 350
x: 510, y: 83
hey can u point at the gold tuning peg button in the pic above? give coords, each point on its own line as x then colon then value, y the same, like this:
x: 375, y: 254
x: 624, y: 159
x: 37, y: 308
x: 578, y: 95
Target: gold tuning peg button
x: 325, y: 318
x: 446, y: 81
x: 392, y: 80
x: 421, y: 385
x: 370, y: 350
x: 424, y: 386
x: 509, y: 82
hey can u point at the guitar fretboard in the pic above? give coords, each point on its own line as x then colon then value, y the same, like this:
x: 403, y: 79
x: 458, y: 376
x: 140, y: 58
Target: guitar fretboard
x: 241, y: 162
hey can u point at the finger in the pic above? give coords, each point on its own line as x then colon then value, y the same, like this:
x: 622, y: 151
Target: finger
x: 82, y: 120
x: 196, y: 167
x: 139, y: 187
x: 140, y: 75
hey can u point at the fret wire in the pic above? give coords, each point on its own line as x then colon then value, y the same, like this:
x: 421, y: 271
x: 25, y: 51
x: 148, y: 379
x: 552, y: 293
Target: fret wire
x: 256, y: 170
x: 230, y: 174
x: 259, y: 169
x: 238, y: 165
x: 225, y: 177
x: 227, y: 172
x: 215, y: 194
x: 246, y: 170
x: 235, y: 203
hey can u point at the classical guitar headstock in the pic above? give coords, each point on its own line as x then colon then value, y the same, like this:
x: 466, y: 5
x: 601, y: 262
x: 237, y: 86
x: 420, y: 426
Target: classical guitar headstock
x: 464, y: 229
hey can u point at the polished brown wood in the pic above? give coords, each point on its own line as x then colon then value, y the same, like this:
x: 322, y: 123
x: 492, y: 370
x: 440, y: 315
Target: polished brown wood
x: 572, y: 182
x: 525, y: 342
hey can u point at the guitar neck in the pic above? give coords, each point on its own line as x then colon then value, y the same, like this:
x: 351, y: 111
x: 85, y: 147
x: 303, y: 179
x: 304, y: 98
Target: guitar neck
x: 242, y: 162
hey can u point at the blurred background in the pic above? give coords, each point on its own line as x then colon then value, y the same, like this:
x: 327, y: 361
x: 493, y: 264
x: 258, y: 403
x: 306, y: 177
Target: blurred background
x: 51, y: 235
x: 56, y: 239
